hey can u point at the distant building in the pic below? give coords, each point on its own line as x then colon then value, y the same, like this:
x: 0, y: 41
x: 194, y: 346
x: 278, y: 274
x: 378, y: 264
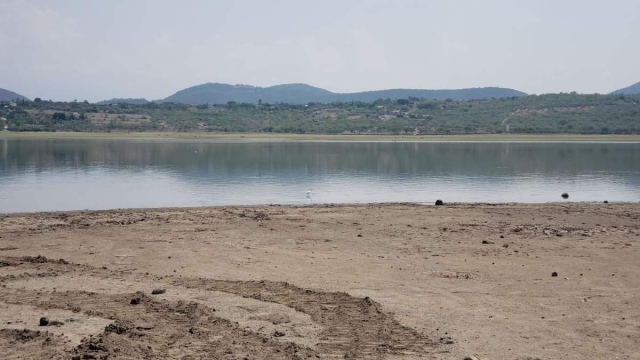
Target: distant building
x: 12, y: 103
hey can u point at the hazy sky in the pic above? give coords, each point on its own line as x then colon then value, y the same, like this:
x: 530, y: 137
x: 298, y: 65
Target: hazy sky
x: 95, y: 50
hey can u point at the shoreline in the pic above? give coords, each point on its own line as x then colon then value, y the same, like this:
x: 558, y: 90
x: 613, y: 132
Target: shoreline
x: 322, y: 137
x: 461, y: 205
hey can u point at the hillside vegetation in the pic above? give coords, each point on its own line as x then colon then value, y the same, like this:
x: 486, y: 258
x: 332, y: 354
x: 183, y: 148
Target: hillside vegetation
x: 215, y: 93
x: 136, y: 101
x: 545, y: 114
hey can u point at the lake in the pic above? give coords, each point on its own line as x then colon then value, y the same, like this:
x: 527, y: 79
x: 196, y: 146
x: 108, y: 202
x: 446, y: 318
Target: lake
x: 77, y: 174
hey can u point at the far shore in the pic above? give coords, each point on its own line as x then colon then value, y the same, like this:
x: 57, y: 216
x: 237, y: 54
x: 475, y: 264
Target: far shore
x: 320, y: 137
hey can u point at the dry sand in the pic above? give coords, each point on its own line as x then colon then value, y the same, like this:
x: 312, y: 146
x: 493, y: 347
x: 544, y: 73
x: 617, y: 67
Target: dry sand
x: 396, y: 281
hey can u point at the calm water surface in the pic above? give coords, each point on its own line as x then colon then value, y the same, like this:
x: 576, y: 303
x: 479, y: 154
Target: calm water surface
x: 71, y: 174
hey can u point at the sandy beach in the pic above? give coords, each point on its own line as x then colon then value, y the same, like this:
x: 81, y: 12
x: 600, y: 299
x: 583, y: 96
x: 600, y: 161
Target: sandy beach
x: 392, y: 281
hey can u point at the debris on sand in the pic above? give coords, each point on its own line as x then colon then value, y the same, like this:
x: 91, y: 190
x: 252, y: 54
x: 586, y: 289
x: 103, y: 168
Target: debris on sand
x: 44, y: 321
x: 439, y: 202
x: 278, y: 334
x: 117, y: 328
x: 135, y: 301
x: 158, y: 291
x: 554, y: 274
x: 565, y: 195
x: 41, y: 260
x: 606, y: 202
x: 487, y: 242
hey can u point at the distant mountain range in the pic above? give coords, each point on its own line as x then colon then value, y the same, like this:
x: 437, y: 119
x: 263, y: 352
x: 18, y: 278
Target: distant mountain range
x: 633, y: 89
x: 6, y: 95
x: 216, y: 93
x: 136, y: 101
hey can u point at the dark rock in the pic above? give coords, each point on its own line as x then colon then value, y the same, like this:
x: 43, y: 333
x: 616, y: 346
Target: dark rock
x: 554, y: 274
x: 278, y: 334
x: 44, y: 321
x: 439, y: 202
x: 501, y: 236
x: 505, y: 246
x: 487, y: 242
x: 158, y: 291
x: 606, y: 202
x: 565, y: 195
x: 135, y: 301
x: 359, y: 235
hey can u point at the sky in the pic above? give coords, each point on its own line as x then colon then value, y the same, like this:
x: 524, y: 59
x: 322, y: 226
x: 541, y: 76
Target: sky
x: 97, y: 50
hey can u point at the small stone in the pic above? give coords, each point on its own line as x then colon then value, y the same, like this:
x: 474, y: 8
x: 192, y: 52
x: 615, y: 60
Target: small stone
x: 439, y: 202
x: 501, y: 236
x: 565, y: 195
x: 135, y: 301
x: 554, y: 274
x: 505, y: 246
x: 487, y: 242
x: 359, y: 235
x: 278, y: 334
x: 158, y: 291
x: 44, y: 321
x: 606, y: 202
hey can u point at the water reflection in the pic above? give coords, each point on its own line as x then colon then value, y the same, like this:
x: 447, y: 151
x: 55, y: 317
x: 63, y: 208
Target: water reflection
x: 61, y: 174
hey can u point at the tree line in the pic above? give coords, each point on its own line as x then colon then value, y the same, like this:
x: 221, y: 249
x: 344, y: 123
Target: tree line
x: 544, y: 114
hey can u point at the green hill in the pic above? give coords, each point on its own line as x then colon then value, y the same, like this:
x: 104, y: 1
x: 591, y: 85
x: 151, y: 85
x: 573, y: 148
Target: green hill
x: 137, y: 101
x: 6, y: 95
x: 633, y: 89
x: 458, y: 94
x: 216, y: 93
